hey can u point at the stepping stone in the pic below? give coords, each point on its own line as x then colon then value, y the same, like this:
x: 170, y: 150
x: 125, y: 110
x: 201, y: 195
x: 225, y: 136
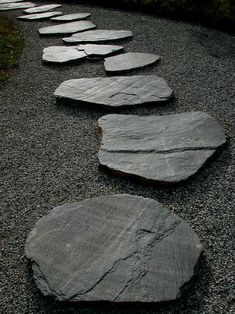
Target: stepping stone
x: 98, y: 36
x: 16, y: 6
x: 93, y: 50
x: 116, y: 91
x: 43, y: 8
x: 129, y: 61
x: 61, y: 54
x: 118, y: 248
x: 9, y: 1
x: 39, y: 16
x: 163, y: 149
x: 66, y: 28
x: 71, y: 17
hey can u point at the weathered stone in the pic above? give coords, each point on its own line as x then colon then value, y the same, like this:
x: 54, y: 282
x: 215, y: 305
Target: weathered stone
x: 66, y: 28
x: 71, y: 17
x: 118, y: 248
x: 16, y: 6
x: 116, y: 91
x: 61, y: 54
x: 98, y: 36
x: 43, y: 8
x: 99, y: 50
x: 163, y: 149
x: 9, y: 1
x: 129, y: 61
x: 39, y: 16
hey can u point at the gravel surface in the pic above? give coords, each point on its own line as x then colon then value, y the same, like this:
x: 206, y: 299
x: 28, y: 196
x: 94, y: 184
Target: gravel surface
x: 49, y: 155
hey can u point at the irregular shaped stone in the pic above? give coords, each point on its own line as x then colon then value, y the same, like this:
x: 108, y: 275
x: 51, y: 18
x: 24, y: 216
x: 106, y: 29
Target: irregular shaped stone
x: 39, y: 16
x: 116, y: 91
x: 118, y: 248
x: 43, y: 8
x: 71, y: 17
x: 9, y: 1
x: 163, y: 149
x: 61, y: 54
x: 16, y: 6
x: 99, y: 50
x: 66, y: 28
x: 129, y: 61
x: 98, y: 36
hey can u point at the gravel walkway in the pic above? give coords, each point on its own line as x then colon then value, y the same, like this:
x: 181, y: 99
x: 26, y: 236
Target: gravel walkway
x: 49, y: 155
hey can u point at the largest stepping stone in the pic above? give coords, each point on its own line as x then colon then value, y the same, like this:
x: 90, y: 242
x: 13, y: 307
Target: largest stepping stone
x: 118, y: 248
x: 16, y: 6
x: 116, y: 91
x: 66, y: 28
x: 43, y: 8
x: 162, y: 149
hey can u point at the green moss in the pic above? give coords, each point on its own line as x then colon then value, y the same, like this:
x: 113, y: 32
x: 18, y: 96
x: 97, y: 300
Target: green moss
x: 11, y: 45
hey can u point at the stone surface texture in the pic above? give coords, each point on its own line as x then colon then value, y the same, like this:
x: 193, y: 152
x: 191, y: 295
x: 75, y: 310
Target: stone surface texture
x: 16, y: 6
x: 39, y: 16
x: 66, y: 28
x: 71, y: 17
x: 118, y: 248
x: 9, y: 1
x: 43, y: 8
x: 61, y: 54
x: 99, y: 36
x: 164, y: 149
x: 93, y: 50
x: 116, y: 91
x: 129, y: 61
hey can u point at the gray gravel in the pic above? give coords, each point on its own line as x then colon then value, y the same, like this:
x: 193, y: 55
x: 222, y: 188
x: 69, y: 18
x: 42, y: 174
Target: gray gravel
x: 49, y: 155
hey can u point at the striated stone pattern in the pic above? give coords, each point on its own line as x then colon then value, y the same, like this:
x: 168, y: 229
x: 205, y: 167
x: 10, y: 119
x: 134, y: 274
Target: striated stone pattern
x: 98, y: 36
x: 116, y: 91
x: 16, y: 6
x: 66, y: 28
x: 118, y: 248
x: 43, y: 8
x: 163, y: 149
x: 71, y: 17
x: 39, y: 16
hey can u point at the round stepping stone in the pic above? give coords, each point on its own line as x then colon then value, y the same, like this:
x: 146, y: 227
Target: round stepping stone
x: 118, y: 248
x: 39, y: 16
x: 71, y: 17
x: 116, y: 91
x: 66, y: 28
x: 129, y: 61
x: 98, y: 36
x: 163, y: 149
x: 16, y: 6
x: 9, y: 1
x: 61, y: 54
x: 43, y: 8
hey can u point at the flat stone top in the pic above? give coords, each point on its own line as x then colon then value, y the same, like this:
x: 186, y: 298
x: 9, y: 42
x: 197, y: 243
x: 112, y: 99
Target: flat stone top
x: 43, y: 8
x: 159, y: 148
x: 60, y: 54
x: 9, y: 1
x: 72, y: 17
x: 16, y: 6
x: 99, y: 50
x: 129, y: 61
x: 39, y: 16
x: 66, y: 28
x: 118, y: 248
x: 99, y: 36
x: 116, y: 91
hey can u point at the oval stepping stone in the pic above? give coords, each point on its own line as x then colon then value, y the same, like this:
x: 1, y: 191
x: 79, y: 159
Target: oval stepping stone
x: 129, y: 61
x: 98, y: 36
x: 39, y: 16
x: 16, y: 6
x: 71, y: 17
x: 61, y: 54
x: 99, y: 50
x: 9, y: 1
x: 163, y: 149
x: 66, y: 28
x: 116, y: 91
x: 118, y: 248
x: 43, y: 8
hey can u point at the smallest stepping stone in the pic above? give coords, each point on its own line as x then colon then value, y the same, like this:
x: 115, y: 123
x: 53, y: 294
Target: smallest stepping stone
x: 67, y: 28
x: 71, y: 17
x: 43, y: 8
x: 62, y: 54
x: 99, y: 50
x: 129, y: 61
x: 39, y: 16
x: 16, y: 6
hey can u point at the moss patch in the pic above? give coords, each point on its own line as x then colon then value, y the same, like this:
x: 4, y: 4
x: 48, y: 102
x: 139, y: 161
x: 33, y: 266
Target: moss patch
x: 11, y: 45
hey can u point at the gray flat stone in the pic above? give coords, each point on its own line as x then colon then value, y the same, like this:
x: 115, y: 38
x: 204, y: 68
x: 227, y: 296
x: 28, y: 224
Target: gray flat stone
x: 118, y: 248
x: 129, y: 61
x: 39, y: 16
x: 43, y: 8
x: 16, y: 6
x: 9, y: 1
x: 66, y: 28
x: 61, y: 54
x: 99, y: 50
x: 98, y: 36
x: 71, y: 17
x: 163, y: 149
x: 116, y: 91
